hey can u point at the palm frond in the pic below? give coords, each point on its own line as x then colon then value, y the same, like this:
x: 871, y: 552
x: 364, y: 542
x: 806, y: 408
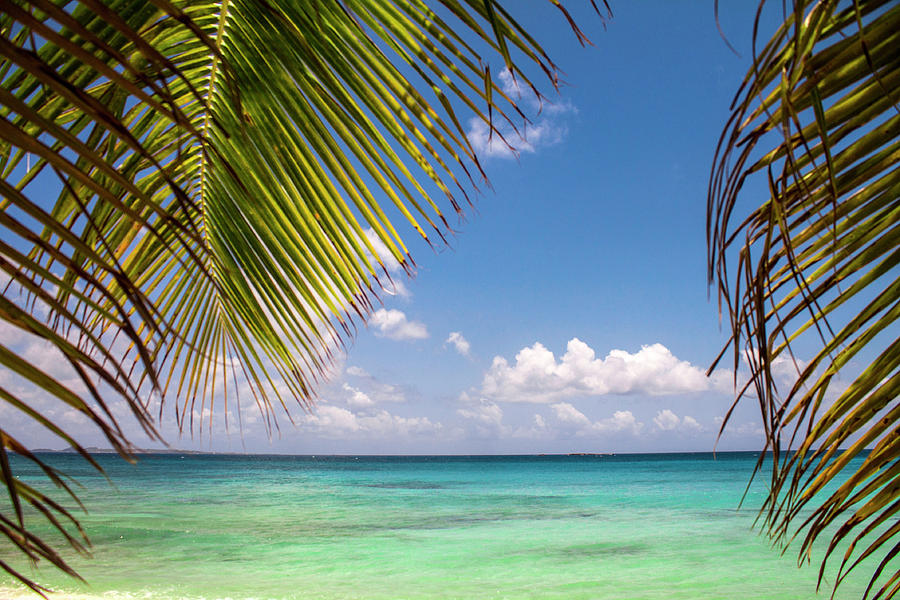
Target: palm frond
x: 817, y: 121
x: 220, y: 167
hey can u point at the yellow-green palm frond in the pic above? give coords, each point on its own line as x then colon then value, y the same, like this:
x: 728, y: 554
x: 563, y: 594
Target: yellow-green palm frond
x: 817, y: 120
x: 224, y: 168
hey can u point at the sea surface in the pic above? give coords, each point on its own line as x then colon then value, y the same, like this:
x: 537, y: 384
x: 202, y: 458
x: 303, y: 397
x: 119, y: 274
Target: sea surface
x: 653, y: 526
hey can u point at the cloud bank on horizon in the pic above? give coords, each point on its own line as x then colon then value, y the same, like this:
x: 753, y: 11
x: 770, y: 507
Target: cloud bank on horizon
x: 356, y: 405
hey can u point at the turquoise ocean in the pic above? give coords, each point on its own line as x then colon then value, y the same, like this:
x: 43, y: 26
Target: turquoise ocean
x: 653, y: 526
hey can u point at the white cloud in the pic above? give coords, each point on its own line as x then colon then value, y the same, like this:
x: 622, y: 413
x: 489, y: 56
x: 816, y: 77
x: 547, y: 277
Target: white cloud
x: 622, y: 421
x: 386, y: 392
x: 485, y: 414
x: 666, y: 420
x: 536, y: 375
x: 357, y: 398
x: 785, y: 370
x: 384, y: 423
x: 747, y: 428
x: 43, y: 355
x: 513, y: 88
x: 459, y: 342
x: 567, y: 413
x: 333, y: 421
x: 10, y: 335
x: 538, y: 430
x: 396, y: 285
x: 510, y: 85
x: 691, y: 423
x: 393, y: 324
x: 546, y: 129
x: 544, y: 132
x: 356, y: 371
x: 366, y: 392
x: 485, y: 418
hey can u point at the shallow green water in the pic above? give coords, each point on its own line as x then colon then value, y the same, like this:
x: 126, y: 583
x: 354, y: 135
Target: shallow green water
x: 242, y: 527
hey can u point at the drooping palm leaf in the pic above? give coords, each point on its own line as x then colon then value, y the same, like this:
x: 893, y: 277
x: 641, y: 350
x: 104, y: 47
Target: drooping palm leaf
x: 221, y: 164
x: 818, y: 120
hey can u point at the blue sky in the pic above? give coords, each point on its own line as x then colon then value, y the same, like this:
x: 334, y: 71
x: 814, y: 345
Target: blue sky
x: 570, y: 312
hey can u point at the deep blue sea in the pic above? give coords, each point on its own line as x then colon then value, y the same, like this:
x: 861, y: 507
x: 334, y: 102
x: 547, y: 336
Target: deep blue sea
x: 653, y: 526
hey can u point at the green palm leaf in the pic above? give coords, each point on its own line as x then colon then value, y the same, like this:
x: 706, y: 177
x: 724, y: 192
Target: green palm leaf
x: 817, y: 268
x: 221, y: 164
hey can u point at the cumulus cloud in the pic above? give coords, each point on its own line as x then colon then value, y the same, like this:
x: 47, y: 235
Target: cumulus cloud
x: 666, y: 420
x: 356, y: 371
x: 622, y: 421
x: 567, y: 413
x: 485, y: 414
x: 691, y: 423
x: 546, y: 129
x: 357, y: 398
x: 536, y: 375
x: 332, y: 418
x: 459, y: 342
x: 394, y: 325
x: 367, y: 392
